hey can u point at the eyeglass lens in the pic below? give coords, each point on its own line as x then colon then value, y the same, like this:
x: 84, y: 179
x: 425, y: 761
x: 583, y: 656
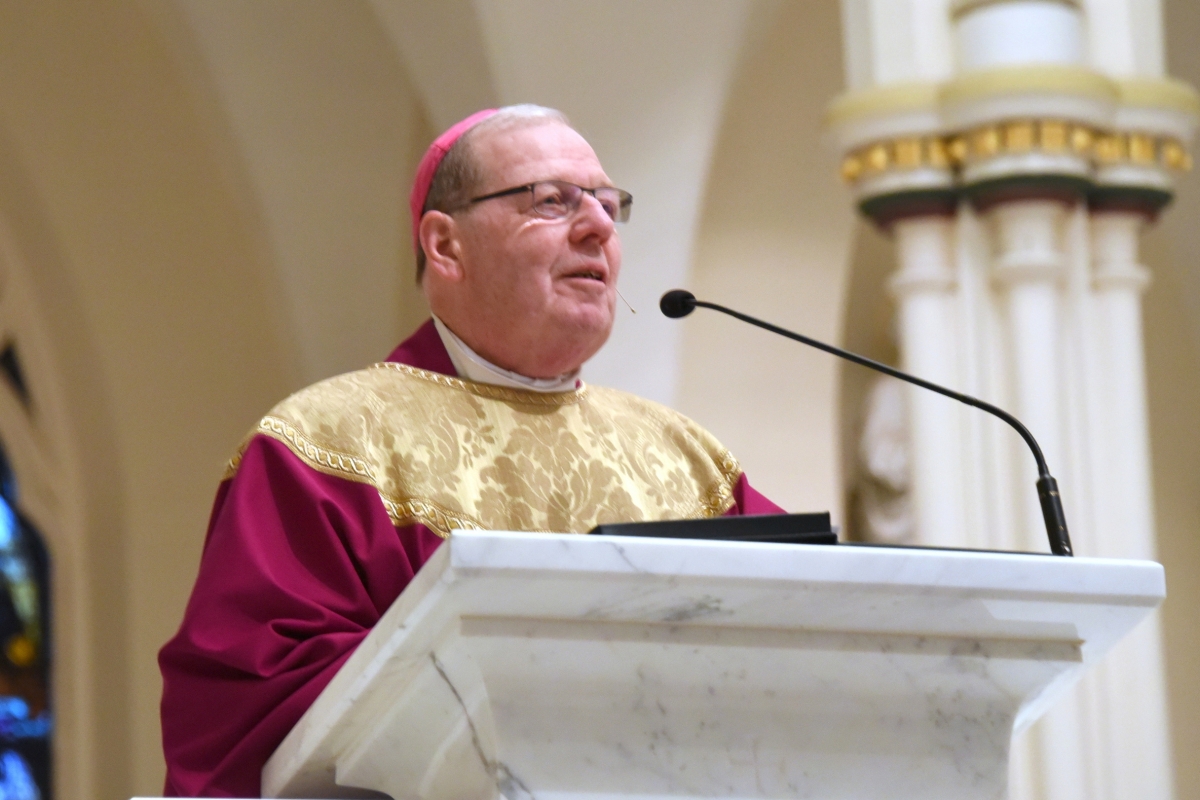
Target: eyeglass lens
x: 558, y: 199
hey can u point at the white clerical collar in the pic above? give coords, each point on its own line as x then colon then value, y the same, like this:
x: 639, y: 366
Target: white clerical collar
x: 474, y: 367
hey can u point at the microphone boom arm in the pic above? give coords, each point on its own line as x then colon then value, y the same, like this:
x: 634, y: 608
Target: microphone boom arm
x: 1051, y: 501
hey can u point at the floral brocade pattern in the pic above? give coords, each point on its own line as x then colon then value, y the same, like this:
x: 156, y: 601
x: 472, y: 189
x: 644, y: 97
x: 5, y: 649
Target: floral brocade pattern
x: 449, y: 453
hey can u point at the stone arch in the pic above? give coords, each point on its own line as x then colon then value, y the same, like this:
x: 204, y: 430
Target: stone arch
x: 48, y: 457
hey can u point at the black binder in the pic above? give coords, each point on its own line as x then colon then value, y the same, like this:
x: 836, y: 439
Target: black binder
x: 779, y: 528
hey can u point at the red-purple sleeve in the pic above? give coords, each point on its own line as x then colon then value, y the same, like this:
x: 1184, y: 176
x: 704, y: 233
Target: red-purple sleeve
x: 297, y: 567
x: 747, y: 500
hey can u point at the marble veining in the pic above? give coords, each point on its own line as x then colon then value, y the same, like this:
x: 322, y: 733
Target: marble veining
x: 567, y: 667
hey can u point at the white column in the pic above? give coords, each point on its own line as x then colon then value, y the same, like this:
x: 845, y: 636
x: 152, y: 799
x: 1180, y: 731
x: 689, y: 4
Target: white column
x: 1137, y: 765
x: 924, y: 287
x: 1028, y: 270
x: 1118, y: 279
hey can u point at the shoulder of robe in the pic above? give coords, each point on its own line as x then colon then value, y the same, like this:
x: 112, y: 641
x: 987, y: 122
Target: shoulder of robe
x: 344, y: 409
x: 335, y: 425
x: 675, y: 426
x: 332, y: 425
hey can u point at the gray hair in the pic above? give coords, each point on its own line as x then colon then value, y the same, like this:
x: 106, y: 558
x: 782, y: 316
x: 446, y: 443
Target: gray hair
x: 460, y: 175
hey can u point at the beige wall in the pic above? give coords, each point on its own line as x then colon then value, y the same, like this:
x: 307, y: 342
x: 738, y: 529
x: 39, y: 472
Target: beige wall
x: 1173, y: 363
x: 208, y: 203
x: 774, y: 242
x: 1172, y: 312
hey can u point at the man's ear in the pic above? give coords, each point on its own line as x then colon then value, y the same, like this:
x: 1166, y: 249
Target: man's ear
x: 439, y: 237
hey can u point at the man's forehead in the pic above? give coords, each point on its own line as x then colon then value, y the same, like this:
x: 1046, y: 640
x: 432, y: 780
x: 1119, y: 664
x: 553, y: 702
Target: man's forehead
x: 541, y: 151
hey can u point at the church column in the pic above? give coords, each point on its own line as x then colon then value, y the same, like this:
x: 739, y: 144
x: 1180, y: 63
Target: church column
x: 1028, y: 271
x: 905, y: 185
x: 1125, y: 528
x: 924, y: 286
x: 1061, y: 131
x: 1026, y: 107
x: 1118, y: 283
x: 1133, y: 185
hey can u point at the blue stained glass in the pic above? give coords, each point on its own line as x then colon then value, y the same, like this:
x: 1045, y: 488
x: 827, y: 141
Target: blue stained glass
x: 8, y: 524
x: 12, y: 708
x: 16, y: 778
x: 26, y: 721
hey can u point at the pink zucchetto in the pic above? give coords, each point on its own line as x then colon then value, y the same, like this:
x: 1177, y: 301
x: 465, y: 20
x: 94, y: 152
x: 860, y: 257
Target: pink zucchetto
x: 429, y: 164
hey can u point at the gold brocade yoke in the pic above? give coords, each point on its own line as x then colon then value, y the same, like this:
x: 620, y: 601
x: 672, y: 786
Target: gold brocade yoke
x: 449, y: 453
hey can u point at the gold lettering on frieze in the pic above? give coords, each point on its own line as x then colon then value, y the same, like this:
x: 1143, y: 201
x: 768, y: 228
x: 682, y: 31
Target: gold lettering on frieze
x: 957, y: 150
x: 938, y: 155
x: 1141, y: 148
x: 877, y: 158
x: 1111, y: 148
x: 852, y: 167
x: 1175, y: 156
x: 908, y: 153
x: 1018, y: 137
x: 985, y: 142
x: 1082, y: 139
x: 1053, y: 136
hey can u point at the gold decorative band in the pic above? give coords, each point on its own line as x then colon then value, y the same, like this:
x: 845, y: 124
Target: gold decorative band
x: 401, y: 511
x: 1048, y: 136
x: 429, y: 514
x: 328, y: 461
x: 908, y: 153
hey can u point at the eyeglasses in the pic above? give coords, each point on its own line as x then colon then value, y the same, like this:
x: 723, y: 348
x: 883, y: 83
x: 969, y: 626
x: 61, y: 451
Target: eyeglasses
x: 559, y: 199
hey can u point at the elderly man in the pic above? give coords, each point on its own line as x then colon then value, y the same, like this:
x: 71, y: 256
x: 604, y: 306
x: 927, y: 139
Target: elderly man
x: 478, y: 420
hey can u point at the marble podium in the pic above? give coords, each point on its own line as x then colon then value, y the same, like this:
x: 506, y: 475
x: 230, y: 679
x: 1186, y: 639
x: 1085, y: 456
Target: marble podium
x: 563, y: 666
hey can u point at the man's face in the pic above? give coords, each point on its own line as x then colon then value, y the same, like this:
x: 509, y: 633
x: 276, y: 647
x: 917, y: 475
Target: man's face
x: 538, y: 295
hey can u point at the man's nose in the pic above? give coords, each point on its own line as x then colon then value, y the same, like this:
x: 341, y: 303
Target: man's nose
x: 592, y: 220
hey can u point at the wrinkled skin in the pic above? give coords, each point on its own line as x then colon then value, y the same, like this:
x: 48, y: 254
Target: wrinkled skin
x: 531, y: 295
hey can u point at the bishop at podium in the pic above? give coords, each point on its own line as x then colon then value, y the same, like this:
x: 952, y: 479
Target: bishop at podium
x: 478, y: 420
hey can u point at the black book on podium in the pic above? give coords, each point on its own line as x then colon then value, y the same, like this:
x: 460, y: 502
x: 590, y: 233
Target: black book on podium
x: 779, y: 528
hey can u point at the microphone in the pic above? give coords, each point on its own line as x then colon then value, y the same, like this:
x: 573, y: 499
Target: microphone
x: 679, y: 303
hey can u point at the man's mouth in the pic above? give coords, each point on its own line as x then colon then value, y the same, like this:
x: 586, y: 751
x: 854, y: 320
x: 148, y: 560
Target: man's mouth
x: 589, y: 274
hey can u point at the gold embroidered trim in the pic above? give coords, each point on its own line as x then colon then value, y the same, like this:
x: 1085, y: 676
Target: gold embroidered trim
x: 429, y: 514
x: 719, y: 498
x: 505, y: 393
x: 343, y: 465
x: 401, y: 511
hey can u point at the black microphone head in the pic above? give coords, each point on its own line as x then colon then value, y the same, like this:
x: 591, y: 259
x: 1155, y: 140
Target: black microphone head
x: 677, y: 303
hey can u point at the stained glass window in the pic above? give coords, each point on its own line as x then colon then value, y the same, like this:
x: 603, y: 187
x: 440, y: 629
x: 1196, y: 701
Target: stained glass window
x: 25, y: 719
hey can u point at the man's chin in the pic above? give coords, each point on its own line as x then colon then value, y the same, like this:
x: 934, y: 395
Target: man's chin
x: 594, y: 327
x: 578, y: 337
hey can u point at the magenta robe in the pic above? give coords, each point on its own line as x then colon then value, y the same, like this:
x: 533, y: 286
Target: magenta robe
x: 297, y: 567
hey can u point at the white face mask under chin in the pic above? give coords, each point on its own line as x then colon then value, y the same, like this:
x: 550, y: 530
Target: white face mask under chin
x: 474, y: 367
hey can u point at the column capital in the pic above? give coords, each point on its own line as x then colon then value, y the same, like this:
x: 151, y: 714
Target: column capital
x: 1028, y: 241
x: 925, y: 255
x: 1130, y: 277
x: 1115, y: 266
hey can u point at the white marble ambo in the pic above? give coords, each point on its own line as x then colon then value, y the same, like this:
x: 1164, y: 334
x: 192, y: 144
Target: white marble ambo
x: 564, y: 666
